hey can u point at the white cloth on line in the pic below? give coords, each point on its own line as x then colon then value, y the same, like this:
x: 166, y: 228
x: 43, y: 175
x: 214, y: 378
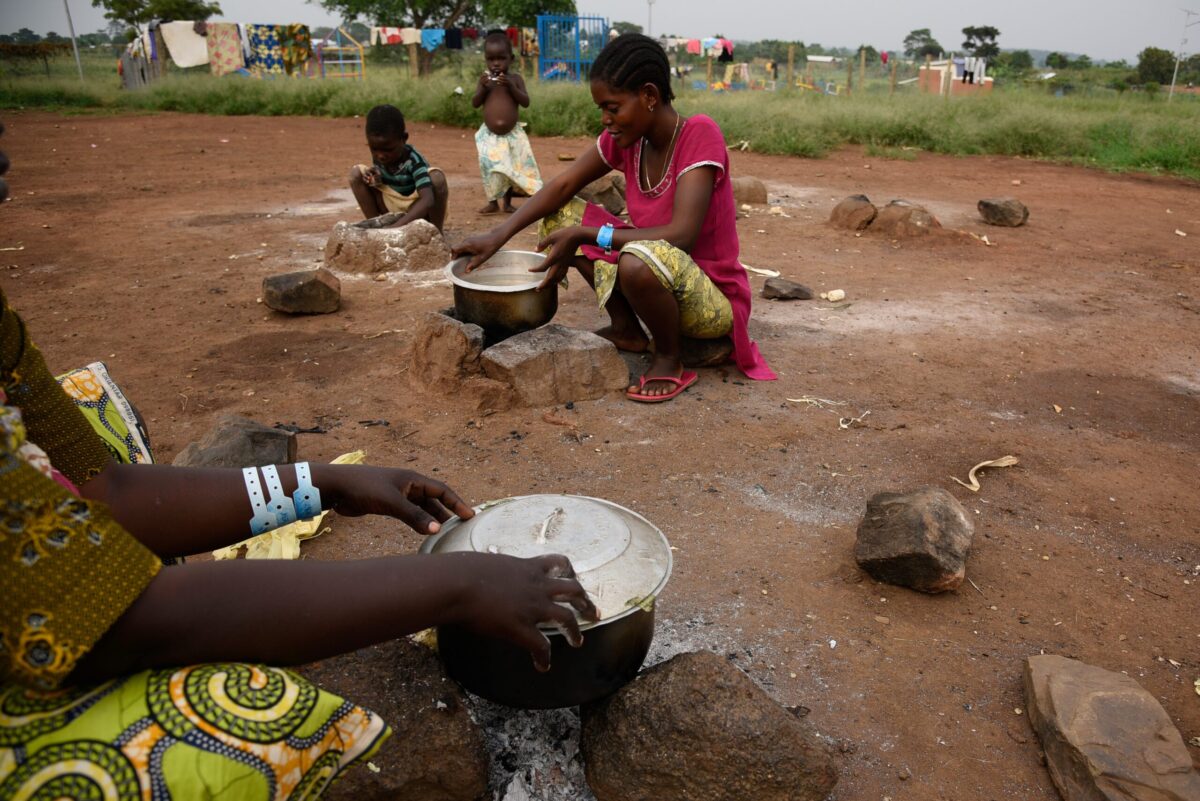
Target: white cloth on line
x: 186, y: 47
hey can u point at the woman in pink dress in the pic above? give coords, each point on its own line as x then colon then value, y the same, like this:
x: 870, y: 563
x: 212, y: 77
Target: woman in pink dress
x: 675, y: 268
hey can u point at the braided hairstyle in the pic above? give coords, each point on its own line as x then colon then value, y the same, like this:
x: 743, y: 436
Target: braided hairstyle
x: 631, y: 61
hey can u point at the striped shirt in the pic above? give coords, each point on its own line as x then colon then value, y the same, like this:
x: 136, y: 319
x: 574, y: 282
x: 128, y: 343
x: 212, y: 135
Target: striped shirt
x: 411, y: 176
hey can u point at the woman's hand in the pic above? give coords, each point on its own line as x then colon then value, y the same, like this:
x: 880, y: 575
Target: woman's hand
x: 420, y: 502
x: 507, y: 597
x: 479, y: 248
x: 560, y: 247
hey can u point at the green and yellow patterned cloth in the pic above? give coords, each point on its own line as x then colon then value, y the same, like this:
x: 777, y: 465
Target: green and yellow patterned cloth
x: 704, y: 311
x: 110, y: 414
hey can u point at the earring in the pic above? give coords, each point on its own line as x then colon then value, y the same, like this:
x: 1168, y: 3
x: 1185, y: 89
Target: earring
x: 650, y: 108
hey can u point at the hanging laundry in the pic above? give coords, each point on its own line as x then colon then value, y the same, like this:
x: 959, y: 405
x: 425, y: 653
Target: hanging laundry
x: 244, y: 36
x: 224, y: 48
x: 385, y: 35
x: 529, y: 42
x: 725, y: 43
x: 432, y: 38
x: 295, y: 45
x: 410, y: 36
x: 185, y: 46
x: 514, y: 35
x: 726, y: 55
x: 693, y: 46
x: 470, y: 33
x: 884, y: 56
x: 454, y: 39
x: 266, y: 57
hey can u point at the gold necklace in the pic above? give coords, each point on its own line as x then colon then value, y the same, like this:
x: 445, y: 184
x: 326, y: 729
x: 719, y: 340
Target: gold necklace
x: 666, y: 160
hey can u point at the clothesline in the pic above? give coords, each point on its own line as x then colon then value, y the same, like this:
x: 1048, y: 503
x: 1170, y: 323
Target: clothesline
x: 524, y: 40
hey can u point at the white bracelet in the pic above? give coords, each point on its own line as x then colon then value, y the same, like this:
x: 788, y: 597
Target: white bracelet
x: 306, y: 496
x: 262, y: 520
x: 281, y: 505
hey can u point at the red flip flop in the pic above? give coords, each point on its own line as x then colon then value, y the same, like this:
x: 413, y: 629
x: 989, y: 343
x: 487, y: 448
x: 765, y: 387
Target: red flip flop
x: 683, y: 382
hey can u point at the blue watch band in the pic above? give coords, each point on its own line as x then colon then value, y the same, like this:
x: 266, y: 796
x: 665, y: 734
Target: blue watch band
x: 605, y: 236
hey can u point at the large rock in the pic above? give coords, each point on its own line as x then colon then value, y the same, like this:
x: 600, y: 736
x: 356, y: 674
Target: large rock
x: 854, y: 213
x: 416, y: 247
x: 783, y: 289
x: 915, y: 539
x: 749, y: 190
x: 902, y: 220
x: 445, y: 350
x: 696, y: 728
x: 1105, y: 738
x: 436, y: 751
x: 306, y: 292
x: 1004, y: 211
x: 555, y: 364
x: 239, y: 442
x: 607, y: 191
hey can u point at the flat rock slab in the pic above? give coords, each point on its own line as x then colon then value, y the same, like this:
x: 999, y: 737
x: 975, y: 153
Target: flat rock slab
x: 915, y: 539
x: 695, y: 728
x: 783, y: 289
x: 903, y: 220
x: 1004, y: 211
x: 416, y: 247
x: 555, y: 364
x: 305, y: 292
x: 607, y: 191
x: 1104, y: 736
x: 749, y: 190
x: 855, y: 213
x: 436, y: 751
x: 239, y: 442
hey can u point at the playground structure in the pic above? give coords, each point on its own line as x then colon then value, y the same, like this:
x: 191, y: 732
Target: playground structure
x: 568, y: 45
x: 340, y: 55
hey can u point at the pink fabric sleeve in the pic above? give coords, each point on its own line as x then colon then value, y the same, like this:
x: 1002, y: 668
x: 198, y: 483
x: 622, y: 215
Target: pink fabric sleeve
x: 613, y: 156
x: 704, y: 147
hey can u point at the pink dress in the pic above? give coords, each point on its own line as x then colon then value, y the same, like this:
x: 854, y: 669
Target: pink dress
x: 699, y: 144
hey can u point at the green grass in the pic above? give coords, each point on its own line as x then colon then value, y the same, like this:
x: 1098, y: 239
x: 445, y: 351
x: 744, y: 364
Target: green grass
x: 1126, y: 132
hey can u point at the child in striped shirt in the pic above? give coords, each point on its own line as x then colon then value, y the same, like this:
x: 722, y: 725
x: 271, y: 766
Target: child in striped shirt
x: 399, y: 186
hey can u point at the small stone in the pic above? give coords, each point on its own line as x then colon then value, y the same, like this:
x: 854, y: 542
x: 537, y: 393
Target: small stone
x: 749, y: 190
x: 783, y: 289
x: 416, y: 247
x: 305, y: 292
x: 697, y: 728
x: 855, y: 213
x: 1003, y: 211
x: 902, y: 220
x: 918, y: 539
x: 1104, y: 736
x: 239, y: 442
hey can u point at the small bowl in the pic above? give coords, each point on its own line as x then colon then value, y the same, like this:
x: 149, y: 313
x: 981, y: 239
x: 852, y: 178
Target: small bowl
x: 501, y: 296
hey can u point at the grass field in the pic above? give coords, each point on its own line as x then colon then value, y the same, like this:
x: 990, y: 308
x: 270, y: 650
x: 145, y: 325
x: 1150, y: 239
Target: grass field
x: 1108, y: 130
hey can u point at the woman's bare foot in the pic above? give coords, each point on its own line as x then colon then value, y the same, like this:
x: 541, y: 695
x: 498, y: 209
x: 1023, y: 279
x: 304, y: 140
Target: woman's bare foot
x: 659, y: 366
x: 491, y: 208
x: 509, y: 208
x: 627, y: 340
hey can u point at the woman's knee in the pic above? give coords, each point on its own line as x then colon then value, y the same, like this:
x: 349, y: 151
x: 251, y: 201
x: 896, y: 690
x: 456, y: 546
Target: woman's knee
x: 633, y: 273
x: 441, y: 189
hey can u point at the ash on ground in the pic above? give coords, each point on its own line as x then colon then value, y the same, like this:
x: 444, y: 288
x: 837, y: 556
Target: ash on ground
x: 535, y: 753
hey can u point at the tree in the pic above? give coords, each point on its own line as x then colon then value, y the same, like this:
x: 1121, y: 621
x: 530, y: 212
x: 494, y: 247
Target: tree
x: 26, y: 36
x: 872, y: 53
x: 448, y: 13
x: 1084, y: 62
x: 920, y: 43
x: 981, y: 41
x: 627, y: 27
x: 1020, y: 60
x: 53, y: 36
x: 1057, y: 61
x: 1155, y: 65
x: 136, y: 13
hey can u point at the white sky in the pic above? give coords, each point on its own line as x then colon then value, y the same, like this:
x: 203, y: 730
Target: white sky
x: 1103, y: 29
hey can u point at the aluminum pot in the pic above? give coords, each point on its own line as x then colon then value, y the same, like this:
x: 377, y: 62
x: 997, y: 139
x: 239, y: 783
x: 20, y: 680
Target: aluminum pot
x: 616, y: 554
x: 501, y: 296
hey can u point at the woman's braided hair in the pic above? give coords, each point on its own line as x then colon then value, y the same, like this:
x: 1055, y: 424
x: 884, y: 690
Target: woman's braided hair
x: 631, y: 61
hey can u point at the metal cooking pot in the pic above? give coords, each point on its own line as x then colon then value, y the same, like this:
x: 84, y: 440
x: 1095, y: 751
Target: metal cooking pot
x: 501, y: 296
x: 620, y: 558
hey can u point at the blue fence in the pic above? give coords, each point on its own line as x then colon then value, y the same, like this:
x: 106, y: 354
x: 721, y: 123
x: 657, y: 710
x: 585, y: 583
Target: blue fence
x: 567, y: 46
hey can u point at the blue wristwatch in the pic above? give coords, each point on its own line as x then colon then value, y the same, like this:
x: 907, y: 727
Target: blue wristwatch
x: 604, y: 237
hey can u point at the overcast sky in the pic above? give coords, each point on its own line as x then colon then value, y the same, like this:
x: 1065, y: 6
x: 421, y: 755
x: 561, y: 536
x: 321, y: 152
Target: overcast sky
x: 1103, y: 29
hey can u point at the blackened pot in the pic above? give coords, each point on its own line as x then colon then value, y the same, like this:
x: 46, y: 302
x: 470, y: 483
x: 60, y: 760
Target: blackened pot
x: 611, y: 655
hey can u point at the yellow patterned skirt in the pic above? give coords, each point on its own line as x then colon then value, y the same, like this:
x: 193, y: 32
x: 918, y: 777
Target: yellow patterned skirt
x: 216, y: 731
x: 704, y: 311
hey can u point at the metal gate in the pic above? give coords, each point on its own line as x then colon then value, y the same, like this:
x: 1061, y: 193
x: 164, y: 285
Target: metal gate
x: 567, y: 46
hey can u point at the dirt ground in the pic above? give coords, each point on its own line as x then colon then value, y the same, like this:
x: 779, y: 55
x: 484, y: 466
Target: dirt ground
x: 1071, y: 343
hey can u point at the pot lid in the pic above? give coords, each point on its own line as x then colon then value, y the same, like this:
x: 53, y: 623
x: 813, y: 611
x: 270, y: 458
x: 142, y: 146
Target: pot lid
x: 620, y: 558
